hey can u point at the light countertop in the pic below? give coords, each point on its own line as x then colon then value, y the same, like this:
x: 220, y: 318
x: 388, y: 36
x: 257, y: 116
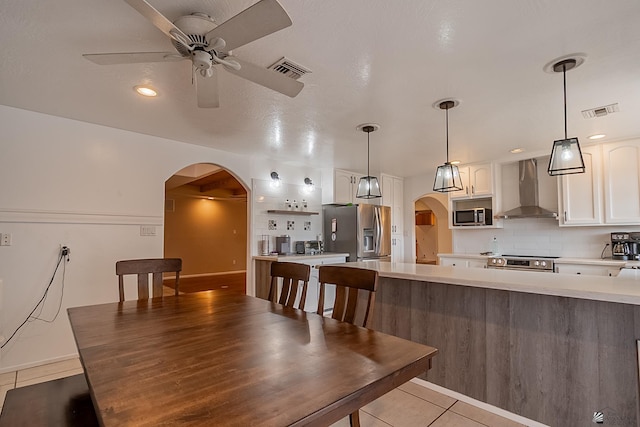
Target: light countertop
x: 599, y: 288
x: 299, y: 257
x: 608, y: 262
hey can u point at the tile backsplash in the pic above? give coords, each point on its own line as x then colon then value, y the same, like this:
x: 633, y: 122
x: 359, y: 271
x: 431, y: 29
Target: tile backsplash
x: 285, y: 198
x: 539, y: 237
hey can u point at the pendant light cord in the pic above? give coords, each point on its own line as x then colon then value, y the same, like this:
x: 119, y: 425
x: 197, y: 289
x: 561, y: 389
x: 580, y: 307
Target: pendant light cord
x: 368, y: 175
x: 564, y: 82
x: 447, y: 121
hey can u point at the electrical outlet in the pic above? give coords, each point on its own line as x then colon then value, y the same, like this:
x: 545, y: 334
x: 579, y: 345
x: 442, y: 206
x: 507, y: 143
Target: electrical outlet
x: 272, y: 224
x: 291, y: 225
x: 5, y: 239
x: 307, y: 225
x: 147, y: 230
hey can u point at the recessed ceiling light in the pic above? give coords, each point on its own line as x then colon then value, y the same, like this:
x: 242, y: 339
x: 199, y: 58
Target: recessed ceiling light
x: 516, y: 150
x: 146, y: 91
x: 597, y: 136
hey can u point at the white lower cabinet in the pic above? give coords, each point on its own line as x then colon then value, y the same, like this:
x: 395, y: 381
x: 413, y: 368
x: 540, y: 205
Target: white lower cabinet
x: 591, y: 270
x: 313, y: 289
x: 461, y: 261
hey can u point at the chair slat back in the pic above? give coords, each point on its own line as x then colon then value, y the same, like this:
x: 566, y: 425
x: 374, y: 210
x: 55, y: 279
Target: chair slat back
x: 291, y: 273
x: 145, y: 267
x: 352, y: 284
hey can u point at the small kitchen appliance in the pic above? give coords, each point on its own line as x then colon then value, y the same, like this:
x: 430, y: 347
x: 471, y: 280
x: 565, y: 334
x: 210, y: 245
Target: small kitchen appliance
x: 475, y: 216
x: 283, y: 244
x: 522, y: 263
x: 620, y: 245
x: 634, y: 246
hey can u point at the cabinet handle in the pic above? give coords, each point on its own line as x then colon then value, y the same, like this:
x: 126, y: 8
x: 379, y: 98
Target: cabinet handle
x: 466, y: 189
x: 473, y: 189
x: 565, y: 216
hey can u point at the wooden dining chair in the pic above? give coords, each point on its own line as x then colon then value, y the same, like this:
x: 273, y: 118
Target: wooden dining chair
x: 143, y: 268
x: 352, y: 284
x: 291, y: 273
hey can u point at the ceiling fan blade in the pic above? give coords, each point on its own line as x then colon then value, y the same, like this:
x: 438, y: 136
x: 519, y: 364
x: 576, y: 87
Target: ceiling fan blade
x: 207, y: 90
x: 160, y: 21
x: 257, y: 21
x: 267, y: 78
x: 132, y: 58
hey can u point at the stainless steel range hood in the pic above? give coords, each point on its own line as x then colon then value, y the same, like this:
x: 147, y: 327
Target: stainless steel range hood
x: 528, y: 186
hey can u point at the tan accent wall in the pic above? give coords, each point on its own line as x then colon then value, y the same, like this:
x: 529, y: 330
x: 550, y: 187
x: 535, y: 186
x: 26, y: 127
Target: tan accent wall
x: 209, y: 235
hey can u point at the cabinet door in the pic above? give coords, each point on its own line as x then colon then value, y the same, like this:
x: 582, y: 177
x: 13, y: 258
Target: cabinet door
x: 621, y: 163
x: 477, y: 263
x: 481, y: 180
x: 397, y: 248
x: 393, y: 196
x: 466, y: 188
x: 343, y: 187
x: 581, y: 193
x: 397, y: 207
x: 454, y: 262
x: 591, y: 270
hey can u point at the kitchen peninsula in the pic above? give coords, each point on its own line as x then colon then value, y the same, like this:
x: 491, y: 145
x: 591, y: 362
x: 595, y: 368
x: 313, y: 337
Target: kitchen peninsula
x: 551, y: 347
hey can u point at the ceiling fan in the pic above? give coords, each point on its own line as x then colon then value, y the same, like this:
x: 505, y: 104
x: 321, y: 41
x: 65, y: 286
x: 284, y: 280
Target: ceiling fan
x: 208, y: 46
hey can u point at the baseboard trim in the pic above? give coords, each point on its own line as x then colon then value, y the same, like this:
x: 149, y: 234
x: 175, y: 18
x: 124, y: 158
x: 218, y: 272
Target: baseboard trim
x: 38, y: 363
x: 477, y: 403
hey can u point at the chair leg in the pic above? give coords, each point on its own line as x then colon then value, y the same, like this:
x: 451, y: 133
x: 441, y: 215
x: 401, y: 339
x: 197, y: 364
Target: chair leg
x: 354, y: 419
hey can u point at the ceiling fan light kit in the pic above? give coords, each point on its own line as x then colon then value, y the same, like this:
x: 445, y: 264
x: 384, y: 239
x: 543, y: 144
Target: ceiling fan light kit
x: 197, y: 37
x: 368, y: 187
x: 447, y: 175
x: 566, y: 156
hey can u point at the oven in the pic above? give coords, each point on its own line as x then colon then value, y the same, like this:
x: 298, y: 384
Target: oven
x: 522, y: 263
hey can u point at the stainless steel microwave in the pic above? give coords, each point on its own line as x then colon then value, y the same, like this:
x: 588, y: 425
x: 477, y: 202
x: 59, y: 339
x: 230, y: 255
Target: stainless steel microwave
x: 475, y: 216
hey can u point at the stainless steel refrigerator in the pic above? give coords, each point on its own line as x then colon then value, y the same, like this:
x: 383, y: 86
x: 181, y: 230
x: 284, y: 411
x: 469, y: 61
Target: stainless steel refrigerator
x: 364, y: 231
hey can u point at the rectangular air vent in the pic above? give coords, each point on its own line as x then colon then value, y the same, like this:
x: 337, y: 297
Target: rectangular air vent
x: 600, y: 111
x: 289, y: 68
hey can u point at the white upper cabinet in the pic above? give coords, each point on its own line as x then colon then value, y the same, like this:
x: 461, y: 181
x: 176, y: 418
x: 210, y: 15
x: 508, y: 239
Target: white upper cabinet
x: 477, y: 181
x: 345, y: 188
x: 621, y: 166
x: 609, y: 190
x: 581, y: 193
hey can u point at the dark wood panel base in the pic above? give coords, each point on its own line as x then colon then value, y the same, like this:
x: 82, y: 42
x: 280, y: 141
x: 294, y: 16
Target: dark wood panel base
x: 556, y: 360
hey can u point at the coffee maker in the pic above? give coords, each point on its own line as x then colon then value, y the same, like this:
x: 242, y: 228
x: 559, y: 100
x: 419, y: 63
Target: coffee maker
x: 621, y: 245
x: 634, y: 246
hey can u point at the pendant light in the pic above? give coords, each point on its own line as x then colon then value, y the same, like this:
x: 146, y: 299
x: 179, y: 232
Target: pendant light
x: 566, y: 156
x: 447, y: 175
x: 368, y: 187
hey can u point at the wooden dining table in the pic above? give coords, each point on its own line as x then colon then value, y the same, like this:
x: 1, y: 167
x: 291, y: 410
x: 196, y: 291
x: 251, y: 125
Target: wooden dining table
x: 220, y: 358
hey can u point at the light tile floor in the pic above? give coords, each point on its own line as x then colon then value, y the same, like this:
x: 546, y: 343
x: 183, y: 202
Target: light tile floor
x: 412, y: 404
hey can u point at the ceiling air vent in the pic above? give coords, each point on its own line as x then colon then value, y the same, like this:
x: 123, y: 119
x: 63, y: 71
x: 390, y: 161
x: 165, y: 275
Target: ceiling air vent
x: 600, y: 111
x: 289, y: 68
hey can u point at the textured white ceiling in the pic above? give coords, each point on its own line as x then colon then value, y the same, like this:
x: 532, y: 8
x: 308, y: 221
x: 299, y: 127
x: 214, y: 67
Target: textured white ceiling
x: 371, y: 60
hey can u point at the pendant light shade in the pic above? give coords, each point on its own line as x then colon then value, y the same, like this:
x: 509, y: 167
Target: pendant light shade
x: 368, y: 187
x: 566, y: 156
x: 447, y: 175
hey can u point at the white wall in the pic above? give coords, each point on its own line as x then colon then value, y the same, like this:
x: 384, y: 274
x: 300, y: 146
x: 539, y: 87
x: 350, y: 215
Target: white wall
x: 88, y: 187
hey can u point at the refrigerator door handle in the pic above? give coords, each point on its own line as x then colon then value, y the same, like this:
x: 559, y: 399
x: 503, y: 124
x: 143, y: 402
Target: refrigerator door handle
x: 378, y: 230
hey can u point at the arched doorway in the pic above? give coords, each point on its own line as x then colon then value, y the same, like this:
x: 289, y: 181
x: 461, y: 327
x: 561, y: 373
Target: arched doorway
x: 432, y: 231
x: 206, y: 225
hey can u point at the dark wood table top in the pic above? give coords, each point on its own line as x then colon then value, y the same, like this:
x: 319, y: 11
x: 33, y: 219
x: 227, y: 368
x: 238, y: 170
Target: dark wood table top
x: 216, y: 358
